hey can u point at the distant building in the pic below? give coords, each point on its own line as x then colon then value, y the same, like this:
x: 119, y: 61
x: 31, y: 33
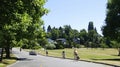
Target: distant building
x: 76, y: 40
x: 62, y: 40
x: 50, y: 40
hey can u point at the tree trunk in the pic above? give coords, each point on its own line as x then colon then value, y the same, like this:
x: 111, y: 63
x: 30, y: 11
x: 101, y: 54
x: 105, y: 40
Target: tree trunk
x: 1, y: 57
x: 119, y: 51
x: 7, y: 49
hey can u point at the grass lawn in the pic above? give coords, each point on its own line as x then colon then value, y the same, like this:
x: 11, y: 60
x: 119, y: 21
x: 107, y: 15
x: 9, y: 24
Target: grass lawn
x: 6, y: 62
x: 108, y: 56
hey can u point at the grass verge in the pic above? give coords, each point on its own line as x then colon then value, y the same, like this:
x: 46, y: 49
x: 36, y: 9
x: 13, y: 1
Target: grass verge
x: 107, y: 56
x: 6, y: 62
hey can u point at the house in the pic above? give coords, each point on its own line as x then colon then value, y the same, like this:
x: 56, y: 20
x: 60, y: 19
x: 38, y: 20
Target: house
x: 76, y: 40
x: 62, y: 40
x: 50, y: 40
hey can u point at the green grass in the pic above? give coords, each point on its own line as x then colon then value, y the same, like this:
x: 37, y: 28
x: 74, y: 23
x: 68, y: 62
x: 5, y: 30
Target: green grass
x: 108, y: 56
x: 6, y: 62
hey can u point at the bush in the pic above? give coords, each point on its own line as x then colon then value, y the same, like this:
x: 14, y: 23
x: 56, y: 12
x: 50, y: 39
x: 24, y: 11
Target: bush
x: 115, y: 44
x: 80, y: 46
x: 103, y: 45
x: 50, y: 46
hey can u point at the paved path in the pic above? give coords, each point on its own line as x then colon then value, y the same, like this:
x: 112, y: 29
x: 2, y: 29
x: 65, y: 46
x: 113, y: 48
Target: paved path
x: 43, y: 61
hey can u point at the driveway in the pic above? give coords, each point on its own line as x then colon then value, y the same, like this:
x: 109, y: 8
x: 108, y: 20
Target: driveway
x: 26, y: 60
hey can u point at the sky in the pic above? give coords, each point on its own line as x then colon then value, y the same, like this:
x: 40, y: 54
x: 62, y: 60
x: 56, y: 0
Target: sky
x: 76, y: 13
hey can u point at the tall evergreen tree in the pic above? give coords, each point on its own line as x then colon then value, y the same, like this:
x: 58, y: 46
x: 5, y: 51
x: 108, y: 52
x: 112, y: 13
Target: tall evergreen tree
x: 61, y: 32
x: 43, y: 28
x: 93, y: 38
x: 90, y: 26
x: 49, y: 29
x: 95, y: 30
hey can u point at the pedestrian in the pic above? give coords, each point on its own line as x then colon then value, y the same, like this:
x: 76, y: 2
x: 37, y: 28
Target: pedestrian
x: 46, y: 53
x: 63, y: 54
x: 76, y: 57
x: 20, y: 49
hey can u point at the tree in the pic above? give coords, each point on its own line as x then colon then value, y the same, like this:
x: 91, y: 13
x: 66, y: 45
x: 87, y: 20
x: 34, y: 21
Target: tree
x: 93, y: 36
x: 75, y: 33
x: 49, y: 28
x: 43, y: 28
x: 68, y: 34
x: 54, y: 33
x: 112, y: 28
x: 49, y: 32
x: 61, y: 32
x: 20, y: 20
x: 90, y: 26
x: 83, y: 36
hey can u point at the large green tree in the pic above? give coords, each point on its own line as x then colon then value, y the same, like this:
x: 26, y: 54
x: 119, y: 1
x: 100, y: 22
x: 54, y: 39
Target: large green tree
x: 55, y: 33
x: 83, y: 36
x: 20, y: 20
x: 112, y: 28
x: 68, y: 34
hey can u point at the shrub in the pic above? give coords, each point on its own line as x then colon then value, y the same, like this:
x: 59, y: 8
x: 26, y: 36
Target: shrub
x: 50, y: 46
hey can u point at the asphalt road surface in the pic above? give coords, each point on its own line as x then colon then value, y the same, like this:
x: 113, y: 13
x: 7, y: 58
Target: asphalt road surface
x: 26, y: 60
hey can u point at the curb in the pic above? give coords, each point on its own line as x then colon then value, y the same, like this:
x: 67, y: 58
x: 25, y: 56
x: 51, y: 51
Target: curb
x: 83, y: 60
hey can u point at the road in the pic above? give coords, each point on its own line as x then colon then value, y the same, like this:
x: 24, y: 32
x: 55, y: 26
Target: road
x: 26, y: 60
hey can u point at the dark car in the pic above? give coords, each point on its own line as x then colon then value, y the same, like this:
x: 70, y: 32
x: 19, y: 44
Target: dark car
x: 32, y: 53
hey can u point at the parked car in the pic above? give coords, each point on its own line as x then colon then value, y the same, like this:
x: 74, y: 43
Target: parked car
x: 32, y: 53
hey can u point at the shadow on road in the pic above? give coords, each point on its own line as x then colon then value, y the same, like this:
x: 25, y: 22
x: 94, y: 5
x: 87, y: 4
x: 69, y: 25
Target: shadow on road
x: 24, y: 59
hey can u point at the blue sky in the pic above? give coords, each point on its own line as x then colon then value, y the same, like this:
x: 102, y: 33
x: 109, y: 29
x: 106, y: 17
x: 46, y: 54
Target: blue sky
x: 76, y: 13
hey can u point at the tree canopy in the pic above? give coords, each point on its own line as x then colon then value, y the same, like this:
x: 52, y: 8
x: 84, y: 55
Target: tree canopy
x: 20, y: 21
x: 111, y: 29
x: 73, y: 38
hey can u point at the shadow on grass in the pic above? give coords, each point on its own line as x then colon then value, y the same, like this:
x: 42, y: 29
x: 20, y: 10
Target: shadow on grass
x: 114, y: 59
x: 7, y: 61
x: 115, y: 55
x: 11, y: 58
